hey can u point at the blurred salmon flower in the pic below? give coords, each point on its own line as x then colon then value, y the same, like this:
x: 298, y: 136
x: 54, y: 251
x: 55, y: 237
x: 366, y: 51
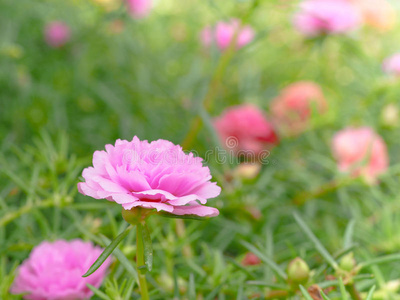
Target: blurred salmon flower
x: 361, y: 152
x: 379, y: 14
x: 54, y: 271
x: 391, y: 65
x: 245, y: 130
x: 139, y: 8
x: 156, y: 175
x: 318, y: 17
x: 57, y: 34
x: 224, y: 32
x: 292, y: 109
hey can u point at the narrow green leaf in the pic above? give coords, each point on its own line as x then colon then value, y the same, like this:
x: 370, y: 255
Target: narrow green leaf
x: 129, y: 289
x: 320, y: 248
x: 380, y: 260
x: 342, y: 288
x: 272, y: 286
x: 148, y: 247
x: 191, y: 288
x: 240, y: 294
x: 323, y: 295
x: 97, y: 292
x: 305, y: 293
x: 371, y: 293
x: 107, y: 252
x: 265, y: 259
x: 348, y: 234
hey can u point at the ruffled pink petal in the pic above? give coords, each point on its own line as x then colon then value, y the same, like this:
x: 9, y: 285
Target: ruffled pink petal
x: 198, y: 210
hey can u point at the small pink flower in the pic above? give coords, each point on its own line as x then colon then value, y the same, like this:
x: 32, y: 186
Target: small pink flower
x: 318, y: 17
x: 139, y: 8
x: 156, y: 175
x: 57, y: 34
x: 391, y: 65
x: 360, y: 151
x: 244, y: 128
x: 251, y: 260
x: 292, y: 108
x: 224, y: 32
x: 54, y: 271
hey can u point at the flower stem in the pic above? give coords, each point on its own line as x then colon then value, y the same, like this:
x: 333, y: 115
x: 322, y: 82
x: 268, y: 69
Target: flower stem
x: 141, y: 267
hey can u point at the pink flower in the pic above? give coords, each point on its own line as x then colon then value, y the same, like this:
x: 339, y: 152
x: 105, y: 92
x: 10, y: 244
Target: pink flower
x: 391, y: 65
x: 223, y: 34
x: 360, y: 151
x: 244, y: 128
x: 292, y: 108
x: 318, y: 17
x: 251, y: 260
x: 57, y: 34
x: 139, y: 8
x: 156, y: 175
x: 54, y: 271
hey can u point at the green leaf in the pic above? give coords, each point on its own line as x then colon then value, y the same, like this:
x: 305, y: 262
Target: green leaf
x: 265, y: 259
x: 320, y: 248
x: 107, y: 252
x: 305, y: 293
x: 342, y: 288
x: 348, y: 235
x: 148, y: 247
x: 380, y: 260
x: 323, y: 295
x: 97, y: 292
x: 370, y: 293
x: 129, y: 289
x: 191, y: 288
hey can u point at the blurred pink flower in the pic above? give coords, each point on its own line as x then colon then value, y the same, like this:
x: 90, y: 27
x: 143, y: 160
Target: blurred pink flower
x: 139, y: 8
x: 151, y: 175
x: 244, y: 128
x: 54, y: 271
x: 57, y: 34
x: 224, y: 32
x: 391, y: 65
x: 360, y: 151
x: 251, y: 259
x: 318, y: 17
x: 292, y: 109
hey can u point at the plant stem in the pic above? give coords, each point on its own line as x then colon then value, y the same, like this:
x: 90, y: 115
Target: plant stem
x: 140, y: 265
x: 351, y: 288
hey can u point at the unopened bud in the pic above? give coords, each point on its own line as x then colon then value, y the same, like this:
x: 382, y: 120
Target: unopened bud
x: 298, y: 271
x: 348, y: 263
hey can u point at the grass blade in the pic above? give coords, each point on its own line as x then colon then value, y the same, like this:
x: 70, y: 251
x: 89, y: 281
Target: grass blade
x: 371, y: 293
x: 305, y: 293
x: 265, y: 259
x: 320, y: 248
x: 107, y: 252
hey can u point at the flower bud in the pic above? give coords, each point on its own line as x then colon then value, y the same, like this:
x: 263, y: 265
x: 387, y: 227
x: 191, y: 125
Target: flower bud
x: 348, y: 263
x: 247, y: 171
x: 298, y: 271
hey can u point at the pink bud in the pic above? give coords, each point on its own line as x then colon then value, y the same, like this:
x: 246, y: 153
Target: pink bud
x: 251, y: 260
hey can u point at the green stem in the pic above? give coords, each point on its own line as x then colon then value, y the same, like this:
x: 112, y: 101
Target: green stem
x: 141, y: 267
x: 351, y: 288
